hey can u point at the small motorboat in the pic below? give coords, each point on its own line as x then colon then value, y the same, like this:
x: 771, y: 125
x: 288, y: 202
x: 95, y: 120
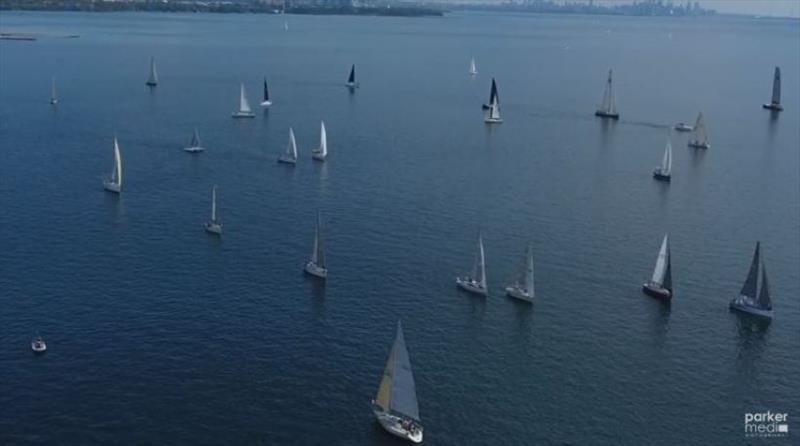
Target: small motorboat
x: 683, y: 127
x: 38, y: 345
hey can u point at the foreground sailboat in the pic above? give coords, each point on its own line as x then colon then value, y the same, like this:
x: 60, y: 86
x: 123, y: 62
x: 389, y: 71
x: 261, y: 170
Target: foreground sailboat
x: 473, y: 70
x: 608, y: 109
x: 492, y: 109
x: 114, y: 182
x: 664, y: 171
x: 351, y: 79
x: 38, y: 345
x: 523, y: 288
x: 214, y: 226
x: 396, y: 406
x: 752, y: 300
x: 290, y: 156
x: 152, y: 80
x: 266, y: 102
x: 660, y: 285
x: 316, y: 265
x: 244, y: 106
x: 321, y: 152
x: 775, y: 104
x: 194, y: 144
x: 53, y: 95
x: 476, y: 281
x: 699, y: 137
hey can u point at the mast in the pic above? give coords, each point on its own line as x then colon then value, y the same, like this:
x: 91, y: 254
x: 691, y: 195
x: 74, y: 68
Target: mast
x: 776, y: 86
x: 662, y: 265
x: 266, y: 91
x: 244, y: 107
x: 291, y: 150
x: 751, y: 283
x: 214, y: 204
x: 323, y: 140
x: 397, y: 392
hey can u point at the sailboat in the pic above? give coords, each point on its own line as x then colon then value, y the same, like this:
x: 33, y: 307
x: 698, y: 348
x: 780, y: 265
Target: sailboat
x: 699, y: 137
x: 316, y: 266
x: 492, y: 109
x: 473, y: 70
x: 351, y: 79
x: 290, y: 156
x: 664, y: 171
x: 266, y: 102
x: 660, y: 285
x: 775, y: 104
x: 244, y: 106
x: 752, y: 300
x: 152, y: 80
x: 395, y: 406
x: 38, y: 345
x: 476, y: 281
x: 214, y: 226
x: 321, y: 152
x: 53, y: 95
x: 194, y: 144
x: 523, y: 288
x: 114, y: 183
x: 608, y: 109
x: 285, y: 25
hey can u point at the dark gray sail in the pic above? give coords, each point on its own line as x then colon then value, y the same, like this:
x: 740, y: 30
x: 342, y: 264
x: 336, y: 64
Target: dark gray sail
x: 776, y: 87
x: 352, y: 78
x: 764, y: 302
x: 668, y: 273
x: 266, y: 91
x: 751, y: 284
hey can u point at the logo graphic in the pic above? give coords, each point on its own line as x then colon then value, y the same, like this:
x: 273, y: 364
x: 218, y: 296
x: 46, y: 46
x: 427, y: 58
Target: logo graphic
x: 766, y: 425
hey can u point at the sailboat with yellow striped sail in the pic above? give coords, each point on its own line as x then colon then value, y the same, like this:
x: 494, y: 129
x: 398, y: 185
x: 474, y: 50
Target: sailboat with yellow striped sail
x: 395, y: 406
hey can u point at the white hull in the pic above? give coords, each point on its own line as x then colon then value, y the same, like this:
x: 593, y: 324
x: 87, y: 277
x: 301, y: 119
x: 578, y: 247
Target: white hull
x: 193, y: 149
x: 316, y: 271
x: 112, y: 187
x: 266, y: 104
x: 213, y: 228
x: 243, y: 115
x: 681, y: 127
x: 392, y: 424
x: 473, y: 72
x: 351, y: 84
x: 741, y: 304
x: 53, y: 101
x: 698, y: 145
x: 287, y: 160
x: 490, y: 120
x: 38, y: 346
x: 471, y: 286
x: 518, y: 293
x: 318, y: 156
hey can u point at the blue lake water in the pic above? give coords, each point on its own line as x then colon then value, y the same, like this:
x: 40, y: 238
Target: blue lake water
x: 160, y: 334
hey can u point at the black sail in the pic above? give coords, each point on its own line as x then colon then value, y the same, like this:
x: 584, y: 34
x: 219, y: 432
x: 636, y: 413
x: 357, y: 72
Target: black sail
x: 352, y: 78
x: 266, y: 91
x: 750, y: 285
x: 668, y: 274
x: 764, y: 302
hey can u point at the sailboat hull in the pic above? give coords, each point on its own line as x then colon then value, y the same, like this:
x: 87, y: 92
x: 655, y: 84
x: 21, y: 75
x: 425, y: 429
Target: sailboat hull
x: 519, y: 293
x: 699, y: 145
x: 318, y: 156
x: 240, y: 114
x: 740, y: 304
x: 605, y: 114
x: 213, y: 228
x: 151, y: 84
x: 393, y: 424
x: 471, y: 286
x: 351, y: 85
x: 316, y: 270
x: 660, y: 176
x: 266, y: 104
x: 112, y: 187
x: 656, y: 291
x: 287, y: 160
x: 489, y: 120
x: 193, y: 149
x: 773, y: 107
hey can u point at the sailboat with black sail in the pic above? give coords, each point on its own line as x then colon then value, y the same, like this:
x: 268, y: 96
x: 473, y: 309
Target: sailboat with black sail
x: 351, y: 79
x: 752, y: 299
x: 396, y: 406
x: 660, y: 284
x: 775, y: 103
x: 267, y: 101
x: 492, y: 109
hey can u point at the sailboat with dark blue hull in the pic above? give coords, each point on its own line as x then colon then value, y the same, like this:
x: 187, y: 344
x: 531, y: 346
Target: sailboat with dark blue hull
x: 751, y: 299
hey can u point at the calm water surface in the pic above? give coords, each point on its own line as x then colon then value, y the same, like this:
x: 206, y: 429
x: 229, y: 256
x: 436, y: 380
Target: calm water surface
x: 159, y: 334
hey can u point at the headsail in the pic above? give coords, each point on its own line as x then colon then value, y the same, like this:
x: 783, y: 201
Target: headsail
x: 397, y: 392
x: 776, y: 86
x: 662, y: 275
x: 116, y: 174
x: 214, y: 204
x: 318, y: 254
x: 479, y: 265
x: 528, y: 280
x: 472, y: 68
x: 666, y: 161
x: 244, y: 106
x: 751, y: 283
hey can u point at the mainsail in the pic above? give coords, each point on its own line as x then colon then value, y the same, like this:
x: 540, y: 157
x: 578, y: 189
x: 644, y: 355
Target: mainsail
x: 214, y: 204
x: 291, y: 148
x: 776, y: 86
x: 322, y: 151
x: 53, y: 95
x: 266, y: 91
x: 244, y: 106
x: 397, y: 392
x: 528, y: 279
x: 751, y: 283
x: 666, y: 161
x: 116, y: 174
x: 472, y: 68
x: 153, y: 78
x: 479, y: 266
x: 195, y: 142
x: 318, y: 254
x: 609, y: 105
x: 662, y: 274
x: 352, y: 78
x: 699, y: 136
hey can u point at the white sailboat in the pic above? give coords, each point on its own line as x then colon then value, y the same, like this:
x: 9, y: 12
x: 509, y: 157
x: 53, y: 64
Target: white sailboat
x: 775, y: 103
x: 285, y: 25
x: 395, y: 406
x: 664, y: 171
x: 699, y: 137
x: 244, y: 106
x: 290, y: 156
x: 38, y: 345
x: 660, y: 284
x: 194, y: 145
x: 476, y: 281
x: 492, y: 109
x: 267, y: 101
x: 114, y: 182
x: 321, y: 152
x: 351, y: 79
x: 53, y: 95
x: 608, y: 109
x: 214, y: 226
x: 316, y: 266
x: 152, y: 80
x: 523, y: 288
x: 473, y: 70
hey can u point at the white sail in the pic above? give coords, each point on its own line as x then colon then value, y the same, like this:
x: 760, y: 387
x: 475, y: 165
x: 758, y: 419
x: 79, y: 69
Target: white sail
x: 661, y: 264
x: 479, y: 266
x: 116, y: 175
x: 322, y: 151
x: 214, y: 204
x: 529, y: 287
x: 244, y: 106
x: 53, y: 95
x: 153, y: 78
x: 666, y: 161
x: 195, y: 142
x: 291, y: 150
x: 699, y: 136
x: 472, y: 68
